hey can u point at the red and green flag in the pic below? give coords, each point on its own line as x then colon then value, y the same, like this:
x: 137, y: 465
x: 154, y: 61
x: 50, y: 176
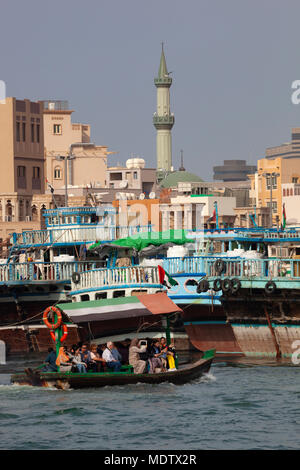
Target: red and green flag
x: 165, y: 278
x: 283, y: 217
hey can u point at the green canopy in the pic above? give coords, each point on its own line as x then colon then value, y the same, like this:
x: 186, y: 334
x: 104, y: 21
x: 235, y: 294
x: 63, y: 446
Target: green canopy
x: 143, y: 240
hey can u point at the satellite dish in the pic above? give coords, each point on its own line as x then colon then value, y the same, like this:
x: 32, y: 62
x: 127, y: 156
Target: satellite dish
x: 123, y: 184
x: 152, y: 195
x: 142, y: 196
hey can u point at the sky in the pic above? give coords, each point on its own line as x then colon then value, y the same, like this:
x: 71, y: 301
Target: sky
x: 232, y: 61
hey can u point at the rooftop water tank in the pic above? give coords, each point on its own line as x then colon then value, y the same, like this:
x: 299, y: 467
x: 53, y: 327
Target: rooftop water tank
x: 133, y: 163
x: 177, y: 251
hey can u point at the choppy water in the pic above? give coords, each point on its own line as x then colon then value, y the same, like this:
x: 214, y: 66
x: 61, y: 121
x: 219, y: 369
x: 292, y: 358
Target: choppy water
x: 238, y: 405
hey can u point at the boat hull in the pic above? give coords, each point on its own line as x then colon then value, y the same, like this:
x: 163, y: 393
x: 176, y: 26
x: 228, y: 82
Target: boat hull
x: 65, y: 381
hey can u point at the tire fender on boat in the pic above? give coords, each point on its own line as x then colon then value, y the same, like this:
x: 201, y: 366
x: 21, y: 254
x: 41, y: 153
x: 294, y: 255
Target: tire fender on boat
x: 217, y: 285
x: 226, y: 284
x: 202, y: 286
x: 76, y: 277
x: 235, y: 285
x: 219, y: 266
x: 270, y: 287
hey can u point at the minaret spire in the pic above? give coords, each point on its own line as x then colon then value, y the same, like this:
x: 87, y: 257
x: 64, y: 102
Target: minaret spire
x: 181, y: 158
x: 163, y: 120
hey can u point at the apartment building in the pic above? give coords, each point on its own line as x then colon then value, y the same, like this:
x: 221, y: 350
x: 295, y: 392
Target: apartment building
x: 22, y: 165
x: 86, y: 162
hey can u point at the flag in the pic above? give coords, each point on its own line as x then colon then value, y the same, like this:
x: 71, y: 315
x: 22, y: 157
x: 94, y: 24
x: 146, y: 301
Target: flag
x: 50, y: 186
x: 213, y: 218
x: 165, y: 278
x: 283, y: 217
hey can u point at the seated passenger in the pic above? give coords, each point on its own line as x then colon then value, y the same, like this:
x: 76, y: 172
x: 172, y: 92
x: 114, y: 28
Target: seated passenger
x: 80, y: 365
x: 164, y: 349
x: 155, y: 361
x: 134, y: 355
x: 50, y: 361
x: 115, y: 352
x: 63, y: 360
x: 109, y: 358
x: 97, y: 361
x: 171, y: 357
x: 123, y: 349
x: 86, y: 356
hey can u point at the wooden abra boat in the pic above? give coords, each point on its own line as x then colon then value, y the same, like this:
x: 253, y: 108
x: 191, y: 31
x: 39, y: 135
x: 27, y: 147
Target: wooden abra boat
x: 66, y: 380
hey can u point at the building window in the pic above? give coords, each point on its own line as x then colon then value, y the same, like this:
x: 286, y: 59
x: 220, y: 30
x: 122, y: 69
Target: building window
x: 38, y: 133
x: 295, y: 179
x: 274, y: 206
x: 57, y: 129
x: 135, y: 175
x: 32, y: 132
x: 283, y: 192
x: 24, y: 131
x: 274, y: 182
x: 57, y: 173
x: 21, y: 177
x: 18, y: 136
x: 36, y: 172
x: 21, y: 171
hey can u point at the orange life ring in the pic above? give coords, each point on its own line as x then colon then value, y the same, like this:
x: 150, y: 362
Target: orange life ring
x: 52, y: 326
x: 65, y: 331
x: 52, y: 334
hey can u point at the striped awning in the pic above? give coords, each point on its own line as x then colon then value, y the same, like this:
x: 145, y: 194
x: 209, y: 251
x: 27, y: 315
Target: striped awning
x: 121, y: 307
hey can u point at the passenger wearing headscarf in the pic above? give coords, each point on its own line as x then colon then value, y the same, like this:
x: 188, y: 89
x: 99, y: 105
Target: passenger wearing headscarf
x: 134, y: 356
x: 63, y: 360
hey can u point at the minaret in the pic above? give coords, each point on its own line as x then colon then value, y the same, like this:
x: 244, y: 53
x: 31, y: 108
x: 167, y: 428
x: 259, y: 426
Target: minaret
x: 163, y: 120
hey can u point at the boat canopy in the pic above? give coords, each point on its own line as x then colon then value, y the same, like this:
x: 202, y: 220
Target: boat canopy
x: 138, y: 305
x: 145, y: 243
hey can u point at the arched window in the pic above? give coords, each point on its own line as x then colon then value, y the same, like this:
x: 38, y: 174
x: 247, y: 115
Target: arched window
x: 283, y: 192
x: 291, y: 193
x: 287, y: 192
x: 57, y: 173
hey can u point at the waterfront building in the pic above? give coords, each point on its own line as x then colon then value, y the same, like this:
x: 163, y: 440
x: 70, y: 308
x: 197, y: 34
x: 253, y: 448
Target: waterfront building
x: 291, y: 201
x: 22, y: 165
x: 134, y: 176
x: 266, y: 184
x: 88, y: 163
x: 163, y: 119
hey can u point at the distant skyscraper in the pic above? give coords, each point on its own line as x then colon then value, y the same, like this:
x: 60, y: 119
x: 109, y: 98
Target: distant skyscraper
x: 163, y: 120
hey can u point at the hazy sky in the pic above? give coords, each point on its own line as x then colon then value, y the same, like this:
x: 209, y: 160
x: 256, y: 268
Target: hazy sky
x: 233, y: 64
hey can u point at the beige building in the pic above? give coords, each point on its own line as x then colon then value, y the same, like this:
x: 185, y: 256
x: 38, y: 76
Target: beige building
x: 22, y: 165
x: 88, y: 163
x: 291, y: 200
x: 266, y: 183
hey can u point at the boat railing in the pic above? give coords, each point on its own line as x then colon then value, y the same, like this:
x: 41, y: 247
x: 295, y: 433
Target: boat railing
x: 113, y: 277
x: 237, y: 267
x: 69, y: 235
x: 41, y: 271
x: 187, y: 264
x: 246, y: 268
